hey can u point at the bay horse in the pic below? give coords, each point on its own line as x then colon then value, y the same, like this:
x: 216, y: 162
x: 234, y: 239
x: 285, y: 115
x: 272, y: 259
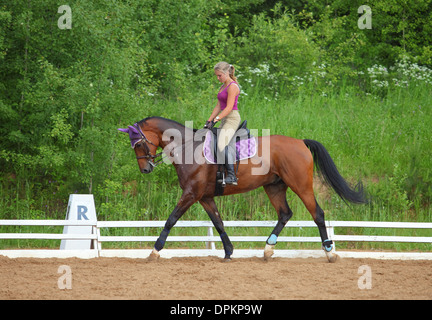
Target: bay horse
x: 281, y: 162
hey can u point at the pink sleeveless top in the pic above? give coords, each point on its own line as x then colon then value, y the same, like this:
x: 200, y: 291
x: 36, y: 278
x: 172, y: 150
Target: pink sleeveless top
x: 223, y: 97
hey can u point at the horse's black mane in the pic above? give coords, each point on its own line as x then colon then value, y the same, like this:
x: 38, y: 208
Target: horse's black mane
x: 172, y: 122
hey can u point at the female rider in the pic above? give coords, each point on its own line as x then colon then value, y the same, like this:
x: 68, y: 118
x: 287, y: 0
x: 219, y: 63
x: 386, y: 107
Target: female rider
x: 226, y: 111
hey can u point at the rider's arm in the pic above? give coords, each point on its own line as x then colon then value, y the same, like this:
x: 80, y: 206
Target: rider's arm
x: 215, y: 112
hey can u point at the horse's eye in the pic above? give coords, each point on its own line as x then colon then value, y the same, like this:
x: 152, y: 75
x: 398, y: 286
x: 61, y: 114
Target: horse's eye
x: 138, y: 145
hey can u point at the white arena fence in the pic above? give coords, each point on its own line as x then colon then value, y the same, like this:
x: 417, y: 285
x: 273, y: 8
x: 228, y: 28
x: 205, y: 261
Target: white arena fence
x: 210, y: 238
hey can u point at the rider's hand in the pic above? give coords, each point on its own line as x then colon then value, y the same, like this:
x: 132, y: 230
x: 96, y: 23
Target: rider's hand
x: 209, y: 125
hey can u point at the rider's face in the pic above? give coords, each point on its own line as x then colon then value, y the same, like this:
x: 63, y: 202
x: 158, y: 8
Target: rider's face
x: 221, y: 76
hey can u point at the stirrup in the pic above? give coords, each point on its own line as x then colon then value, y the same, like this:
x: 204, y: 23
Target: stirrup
x: 233, y: 181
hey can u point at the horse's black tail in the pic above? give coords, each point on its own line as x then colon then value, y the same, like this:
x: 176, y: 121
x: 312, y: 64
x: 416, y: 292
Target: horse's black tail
x: 324, y: 163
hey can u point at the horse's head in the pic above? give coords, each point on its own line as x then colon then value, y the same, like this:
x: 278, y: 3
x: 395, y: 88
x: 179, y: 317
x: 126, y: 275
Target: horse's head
x: 145, y: 149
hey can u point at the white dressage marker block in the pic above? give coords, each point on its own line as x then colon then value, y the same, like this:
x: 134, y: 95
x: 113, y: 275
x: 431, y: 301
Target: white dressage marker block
x: 81, y: 207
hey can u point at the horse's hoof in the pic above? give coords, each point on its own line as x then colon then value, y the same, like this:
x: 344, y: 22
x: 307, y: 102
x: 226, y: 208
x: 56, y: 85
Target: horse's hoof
x: 268, y: 251
x: 332, y: 257
x: 154, y: 255
x: 227, y: 258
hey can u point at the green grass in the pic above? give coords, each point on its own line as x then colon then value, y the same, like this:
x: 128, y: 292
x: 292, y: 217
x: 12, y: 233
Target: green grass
x: 383, y: 140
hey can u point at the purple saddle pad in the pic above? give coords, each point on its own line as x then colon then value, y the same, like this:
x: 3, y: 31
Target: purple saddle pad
x: 246, y: 148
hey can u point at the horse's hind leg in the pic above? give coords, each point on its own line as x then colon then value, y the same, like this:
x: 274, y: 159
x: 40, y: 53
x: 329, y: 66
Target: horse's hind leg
x: 211, y: 209
x: 277, y: 195
x: 317, y: 213
x: 297, y: 173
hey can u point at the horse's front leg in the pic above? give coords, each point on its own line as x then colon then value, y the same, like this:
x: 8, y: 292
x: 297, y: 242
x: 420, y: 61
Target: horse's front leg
x: 211, y: 209
x: 185, y: 202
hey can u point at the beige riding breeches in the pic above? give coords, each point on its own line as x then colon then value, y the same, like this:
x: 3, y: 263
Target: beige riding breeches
x: 229, y: 125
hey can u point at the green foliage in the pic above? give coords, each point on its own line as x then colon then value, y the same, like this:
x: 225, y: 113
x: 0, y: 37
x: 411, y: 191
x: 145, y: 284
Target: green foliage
x: 305, y: 69
x: 270, y: 43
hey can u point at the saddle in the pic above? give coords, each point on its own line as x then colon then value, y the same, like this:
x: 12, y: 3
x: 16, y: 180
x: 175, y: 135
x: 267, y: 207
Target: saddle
x: 242, y: 146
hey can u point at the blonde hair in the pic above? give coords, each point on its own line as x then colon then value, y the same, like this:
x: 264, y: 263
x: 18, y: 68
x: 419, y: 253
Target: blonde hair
x: 226, y: 68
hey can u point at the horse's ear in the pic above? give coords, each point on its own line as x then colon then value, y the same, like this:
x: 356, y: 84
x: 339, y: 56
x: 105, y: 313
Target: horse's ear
x: 123, y: 130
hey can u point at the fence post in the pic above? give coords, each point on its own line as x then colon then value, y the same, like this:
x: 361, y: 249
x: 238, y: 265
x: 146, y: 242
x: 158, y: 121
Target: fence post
x: 330, y: 233
x: 210, y: 244
x: 97, y: 242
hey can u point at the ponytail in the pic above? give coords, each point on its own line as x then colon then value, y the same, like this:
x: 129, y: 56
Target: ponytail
x: 232, y: 73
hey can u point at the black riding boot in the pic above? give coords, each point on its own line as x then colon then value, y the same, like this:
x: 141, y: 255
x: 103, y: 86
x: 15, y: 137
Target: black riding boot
x: 229, y: 164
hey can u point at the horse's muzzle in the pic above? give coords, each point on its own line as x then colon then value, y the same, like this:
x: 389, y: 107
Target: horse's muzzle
x: 147, y: 169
